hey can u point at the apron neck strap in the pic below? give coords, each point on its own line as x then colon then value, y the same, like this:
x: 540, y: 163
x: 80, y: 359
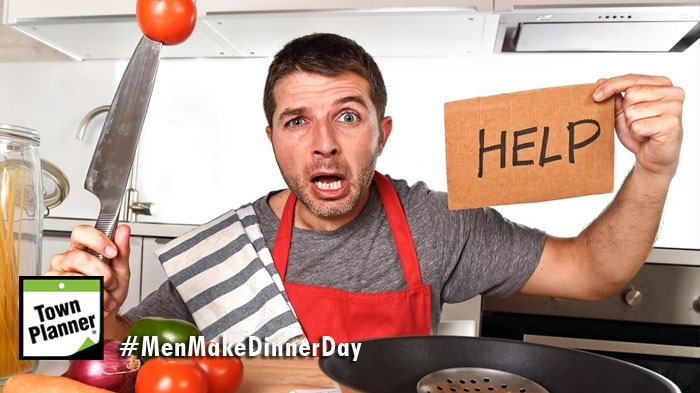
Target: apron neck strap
x: 283, y: 240
x: 399, y: 228
x: 397, y: 222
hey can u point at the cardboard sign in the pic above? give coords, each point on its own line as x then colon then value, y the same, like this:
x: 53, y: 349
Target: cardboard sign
x: 530, y: 146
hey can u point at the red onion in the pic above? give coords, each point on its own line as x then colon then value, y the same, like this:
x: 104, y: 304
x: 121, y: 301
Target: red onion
x: 115, y: 373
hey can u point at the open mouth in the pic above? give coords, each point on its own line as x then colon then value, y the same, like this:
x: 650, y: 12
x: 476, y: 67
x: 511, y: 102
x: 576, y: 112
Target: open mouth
x: 328, y: 184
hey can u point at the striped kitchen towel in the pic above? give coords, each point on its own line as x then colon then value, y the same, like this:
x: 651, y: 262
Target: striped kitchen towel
x: 225, y: 274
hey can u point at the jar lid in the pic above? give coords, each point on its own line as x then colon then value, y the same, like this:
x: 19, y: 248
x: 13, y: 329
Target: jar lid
x: 20, y: 132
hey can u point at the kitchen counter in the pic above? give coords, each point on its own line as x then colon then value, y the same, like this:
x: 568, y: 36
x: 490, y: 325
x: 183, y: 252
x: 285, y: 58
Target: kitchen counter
x: 137, y: 228
x: 261, y: 375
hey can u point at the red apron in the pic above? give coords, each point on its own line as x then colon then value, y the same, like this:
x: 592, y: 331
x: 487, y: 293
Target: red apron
x: 349, y: 316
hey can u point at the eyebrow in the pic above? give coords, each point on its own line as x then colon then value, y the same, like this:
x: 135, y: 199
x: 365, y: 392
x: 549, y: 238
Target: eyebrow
x: 355, y: 99
x: 300, y: 110
x: 291, y: 112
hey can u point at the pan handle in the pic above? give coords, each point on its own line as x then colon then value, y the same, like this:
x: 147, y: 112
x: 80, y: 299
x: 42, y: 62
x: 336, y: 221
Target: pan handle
x: 615, y: 346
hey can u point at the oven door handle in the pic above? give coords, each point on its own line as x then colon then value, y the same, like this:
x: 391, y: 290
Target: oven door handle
x: 615, y: 346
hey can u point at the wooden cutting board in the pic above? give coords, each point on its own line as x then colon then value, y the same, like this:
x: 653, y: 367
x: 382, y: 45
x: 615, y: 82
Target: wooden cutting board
x: 282, y: 375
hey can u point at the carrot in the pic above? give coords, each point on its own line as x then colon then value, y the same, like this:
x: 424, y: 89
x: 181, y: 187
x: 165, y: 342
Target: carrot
x: 36, y: 383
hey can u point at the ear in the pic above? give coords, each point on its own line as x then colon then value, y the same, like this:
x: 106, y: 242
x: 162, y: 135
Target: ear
x: 385, y: 130
x: 268, y: 131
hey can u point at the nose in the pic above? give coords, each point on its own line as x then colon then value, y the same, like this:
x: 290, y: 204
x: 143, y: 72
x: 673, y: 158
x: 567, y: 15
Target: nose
x: 324, y: 140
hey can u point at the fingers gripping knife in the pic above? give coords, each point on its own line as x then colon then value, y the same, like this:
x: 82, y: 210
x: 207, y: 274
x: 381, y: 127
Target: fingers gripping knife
x: 114, y: 154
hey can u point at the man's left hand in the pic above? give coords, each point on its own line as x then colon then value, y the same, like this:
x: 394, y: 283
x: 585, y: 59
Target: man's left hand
x: 647, y: 119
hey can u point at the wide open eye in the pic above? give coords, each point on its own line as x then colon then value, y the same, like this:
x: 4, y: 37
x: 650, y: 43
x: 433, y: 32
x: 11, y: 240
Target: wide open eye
x: 349, y: 117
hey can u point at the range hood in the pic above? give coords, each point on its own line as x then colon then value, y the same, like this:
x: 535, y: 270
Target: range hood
x: 602, y: 29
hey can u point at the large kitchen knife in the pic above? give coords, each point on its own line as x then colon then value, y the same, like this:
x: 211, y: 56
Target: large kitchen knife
x: 114, y: 154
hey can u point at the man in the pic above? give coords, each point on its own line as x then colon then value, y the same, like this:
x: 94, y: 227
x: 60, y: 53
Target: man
x: 324, y: 101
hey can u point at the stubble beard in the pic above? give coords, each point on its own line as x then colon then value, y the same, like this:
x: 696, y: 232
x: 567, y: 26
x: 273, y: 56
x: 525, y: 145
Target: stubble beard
x: 331, y: 208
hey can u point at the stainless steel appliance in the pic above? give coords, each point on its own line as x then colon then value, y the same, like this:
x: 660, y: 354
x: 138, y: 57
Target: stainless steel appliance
x: 653, y: 322
x: 671, y: 28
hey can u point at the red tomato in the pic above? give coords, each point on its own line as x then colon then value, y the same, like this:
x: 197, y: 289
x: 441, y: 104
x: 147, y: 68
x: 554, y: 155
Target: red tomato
x: 166, y: 21
x: 224, y: 373
x: 161, y: 375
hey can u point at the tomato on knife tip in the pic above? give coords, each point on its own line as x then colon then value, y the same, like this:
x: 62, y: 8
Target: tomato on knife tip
x: 168, y: 21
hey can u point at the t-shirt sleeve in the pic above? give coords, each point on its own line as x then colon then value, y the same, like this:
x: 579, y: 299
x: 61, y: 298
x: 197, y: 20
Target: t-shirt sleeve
x: 165, y: 302
x: 483, y: 252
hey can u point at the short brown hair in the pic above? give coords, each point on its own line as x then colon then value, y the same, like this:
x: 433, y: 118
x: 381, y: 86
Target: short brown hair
x: 325, y: 54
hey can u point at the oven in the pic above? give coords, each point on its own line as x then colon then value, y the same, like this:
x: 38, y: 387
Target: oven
x: 653, y: 322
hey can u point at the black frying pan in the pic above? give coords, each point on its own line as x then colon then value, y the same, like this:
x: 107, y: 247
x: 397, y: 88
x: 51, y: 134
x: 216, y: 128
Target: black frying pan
x: 395, y: 365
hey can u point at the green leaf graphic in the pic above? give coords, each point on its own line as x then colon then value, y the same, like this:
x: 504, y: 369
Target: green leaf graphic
x: 87, y: 343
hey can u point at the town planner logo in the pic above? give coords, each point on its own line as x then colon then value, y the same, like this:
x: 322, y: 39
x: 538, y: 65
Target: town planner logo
x: 61, y: 318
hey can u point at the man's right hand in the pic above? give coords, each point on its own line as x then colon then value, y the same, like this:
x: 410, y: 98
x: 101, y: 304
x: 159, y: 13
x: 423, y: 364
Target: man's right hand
x: 77, y: 261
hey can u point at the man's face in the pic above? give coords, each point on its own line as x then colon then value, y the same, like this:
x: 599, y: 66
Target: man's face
x: 326, y: 139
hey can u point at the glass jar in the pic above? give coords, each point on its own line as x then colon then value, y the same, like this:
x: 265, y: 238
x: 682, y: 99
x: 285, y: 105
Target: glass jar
x: 21, y: 214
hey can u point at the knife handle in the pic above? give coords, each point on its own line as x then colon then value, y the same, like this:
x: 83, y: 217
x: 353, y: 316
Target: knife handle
x: 106, y: 223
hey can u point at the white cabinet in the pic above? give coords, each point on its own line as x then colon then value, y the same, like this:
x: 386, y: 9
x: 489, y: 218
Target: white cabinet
x: 18, y: 47
x: 53, y: 243
x: 152, y: 273
x: 219, y: 6
x: 87, y: 29
x: 18, y: 10
x: 57, y: 242
x: 382, y: 32
x: 383, y: 27
x: 23, y: 10
x: 116, y: 38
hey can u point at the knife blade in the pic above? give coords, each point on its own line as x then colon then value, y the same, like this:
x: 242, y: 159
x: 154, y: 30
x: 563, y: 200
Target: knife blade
x: 111, y: 163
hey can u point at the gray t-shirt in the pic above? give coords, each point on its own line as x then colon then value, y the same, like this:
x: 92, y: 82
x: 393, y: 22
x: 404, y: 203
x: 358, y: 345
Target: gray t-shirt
x: 462, y: 253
